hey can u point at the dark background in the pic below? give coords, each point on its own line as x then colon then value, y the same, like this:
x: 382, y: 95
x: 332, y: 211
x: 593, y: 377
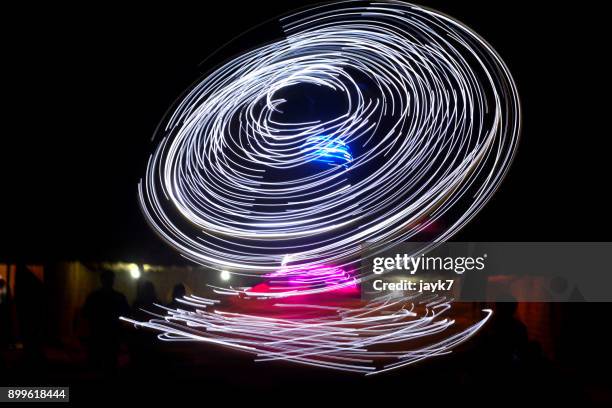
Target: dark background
x: 87, y: 87
x: 92, y: 83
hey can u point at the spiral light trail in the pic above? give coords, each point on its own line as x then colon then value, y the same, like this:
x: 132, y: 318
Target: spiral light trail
x: 419, y: 116
x: 366, y: 124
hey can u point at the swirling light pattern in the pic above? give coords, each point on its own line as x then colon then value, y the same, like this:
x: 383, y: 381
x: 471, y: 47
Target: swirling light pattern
x: 422, y: 112
x: 366, y: 123
x: 384, y: 334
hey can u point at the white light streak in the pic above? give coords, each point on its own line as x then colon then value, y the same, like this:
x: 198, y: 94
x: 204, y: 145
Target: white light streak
x: 423, y: 125
x: 381, y: 335
x: 430, y: 113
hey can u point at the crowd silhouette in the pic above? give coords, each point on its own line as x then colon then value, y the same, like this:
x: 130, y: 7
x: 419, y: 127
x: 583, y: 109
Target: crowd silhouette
x: 500, y: 361
x: 101, y: 311
x: 106, y: 333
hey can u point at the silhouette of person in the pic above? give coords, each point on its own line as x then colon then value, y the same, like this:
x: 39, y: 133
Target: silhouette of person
x: 30, y: 313
x: 509, y: 334
x: 4, y: 315
x: 142, y: 348
x: 102, y: 310
x: 146, y: 298
x: 178, y: 292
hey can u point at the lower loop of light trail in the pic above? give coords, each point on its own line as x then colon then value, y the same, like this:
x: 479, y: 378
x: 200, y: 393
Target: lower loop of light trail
x: 378, y: 336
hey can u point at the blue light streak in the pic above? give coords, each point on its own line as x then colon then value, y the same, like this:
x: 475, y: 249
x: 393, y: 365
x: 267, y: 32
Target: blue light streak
x: 329, y: 149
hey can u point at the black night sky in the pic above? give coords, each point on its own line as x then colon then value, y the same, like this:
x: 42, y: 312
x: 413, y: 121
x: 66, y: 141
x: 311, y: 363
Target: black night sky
x: 92, y: 83
x: 89, y: 84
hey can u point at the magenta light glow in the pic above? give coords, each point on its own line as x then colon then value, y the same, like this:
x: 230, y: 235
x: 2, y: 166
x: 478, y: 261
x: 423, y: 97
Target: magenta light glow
x: 298, y: 281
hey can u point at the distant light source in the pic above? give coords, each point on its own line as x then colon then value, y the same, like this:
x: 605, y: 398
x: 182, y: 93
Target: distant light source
x: 286, y: 260
x: 225, y: 275
x: 134, y: 271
